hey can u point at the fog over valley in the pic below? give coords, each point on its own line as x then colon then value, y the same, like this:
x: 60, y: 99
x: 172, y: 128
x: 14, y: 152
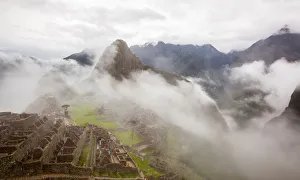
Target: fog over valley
x: 80, y: 99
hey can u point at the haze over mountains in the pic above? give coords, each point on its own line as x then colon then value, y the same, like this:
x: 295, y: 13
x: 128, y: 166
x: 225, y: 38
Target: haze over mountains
x: 215, y: 71
x: 242, y: 96
x: 190, y: 60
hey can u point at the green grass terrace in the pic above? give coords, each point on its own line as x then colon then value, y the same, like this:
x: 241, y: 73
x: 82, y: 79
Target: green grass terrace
x: 143, y: 164
x: 82, y: 114
x: 86, y: 113
x: 128, y: 138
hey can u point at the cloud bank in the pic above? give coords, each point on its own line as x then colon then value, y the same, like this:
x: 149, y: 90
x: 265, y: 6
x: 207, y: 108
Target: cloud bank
x: 59, y: 28
x: 245, y: 154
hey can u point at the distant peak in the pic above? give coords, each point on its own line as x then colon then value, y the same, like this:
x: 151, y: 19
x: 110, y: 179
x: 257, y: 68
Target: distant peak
x: 149, y: 44
x: 160, y: 43
x: 284, y: 30
x: 209, y: 46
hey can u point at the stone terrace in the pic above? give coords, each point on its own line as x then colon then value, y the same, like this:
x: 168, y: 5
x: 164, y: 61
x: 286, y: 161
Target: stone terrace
x: 35, y: 146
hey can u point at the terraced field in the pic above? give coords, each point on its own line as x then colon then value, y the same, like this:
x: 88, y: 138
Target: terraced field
x: 127, y: 137
x: 85, y: 113
x: 143, y: 164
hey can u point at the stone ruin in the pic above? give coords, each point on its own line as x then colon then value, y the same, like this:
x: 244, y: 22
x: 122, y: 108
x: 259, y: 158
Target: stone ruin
x: 27, y: 142
x: 46, y: 144
x: 34, y: 145
x: 111, y: 156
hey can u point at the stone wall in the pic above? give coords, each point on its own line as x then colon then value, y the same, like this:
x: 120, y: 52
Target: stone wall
x: 62, y: 158
x: 8, y: 149
x: 78, y: 150
x: 66, y: 168
x: 92, y: 150
x: 115, y: 168
x: 6, y: 162
x: 49, y: 149
x: 30, y: 141
x: 34, y: 167
x: 99, y: 169
x: 25, y: 123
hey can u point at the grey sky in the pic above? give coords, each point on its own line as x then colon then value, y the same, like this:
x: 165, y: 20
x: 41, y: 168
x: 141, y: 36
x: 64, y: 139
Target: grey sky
x: 52, y: 28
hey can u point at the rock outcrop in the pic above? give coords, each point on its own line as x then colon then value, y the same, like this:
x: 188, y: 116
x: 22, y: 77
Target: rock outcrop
x: 291, y: 115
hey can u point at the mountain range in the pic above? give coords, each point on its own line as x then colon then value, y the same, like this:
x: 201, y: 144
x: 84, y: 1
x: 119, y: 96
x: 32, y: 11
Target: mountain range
x: 190, y: 60
x: 204, y: 61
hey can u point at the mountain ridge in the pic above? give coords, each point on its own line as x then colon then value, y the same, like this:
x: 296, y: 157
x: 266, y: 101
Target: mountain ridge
x: 190, y: 60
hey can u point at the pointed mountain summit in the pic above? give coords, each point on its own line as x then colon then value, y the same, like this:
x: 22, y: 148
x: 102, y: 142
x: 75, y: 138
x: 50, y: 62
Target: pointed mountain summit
x: 282, y: 44
x: 83, y: 58
x: 193, y: 60
x: 118, y: 61
x: 283, y: 30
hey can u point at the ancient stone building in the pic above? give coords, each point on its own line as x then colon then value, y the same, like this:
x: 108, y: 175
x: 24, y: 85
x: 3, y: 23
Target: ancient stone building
x: 32, y: 145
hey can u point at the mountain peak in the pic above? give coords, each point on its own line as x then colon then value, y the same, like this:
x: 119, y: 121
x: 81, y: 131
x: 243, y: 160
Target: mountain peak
x: 209, y: 46
x: 284, y: 30
x: 118, y: 60
x: 160, y: 43
x: 149, y: 44
x: 84, y: 57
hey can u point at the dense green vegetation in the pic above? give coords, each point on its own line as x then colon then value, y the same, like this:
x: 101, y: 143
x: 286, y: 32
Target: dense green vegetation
x: 143, y: 164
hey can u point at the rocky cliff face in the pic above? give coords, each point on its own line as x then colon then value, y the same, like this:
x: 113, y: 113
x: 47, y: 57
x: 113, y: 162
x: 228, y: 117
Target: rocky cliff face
x: 290, y: 116
x: 118, y: 60
x: 294, y: 104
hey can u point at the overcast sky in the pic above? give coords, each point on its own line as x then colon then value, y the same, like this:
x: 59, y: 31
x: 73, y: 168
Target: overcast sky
x: 52, y: 28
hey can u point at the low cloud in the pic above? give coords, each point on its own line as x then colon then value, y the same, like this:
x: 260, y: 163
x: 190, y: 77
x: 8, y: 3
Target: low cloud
x: 185, y: 109
x: 279, y: 80
x: 23, y: 79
